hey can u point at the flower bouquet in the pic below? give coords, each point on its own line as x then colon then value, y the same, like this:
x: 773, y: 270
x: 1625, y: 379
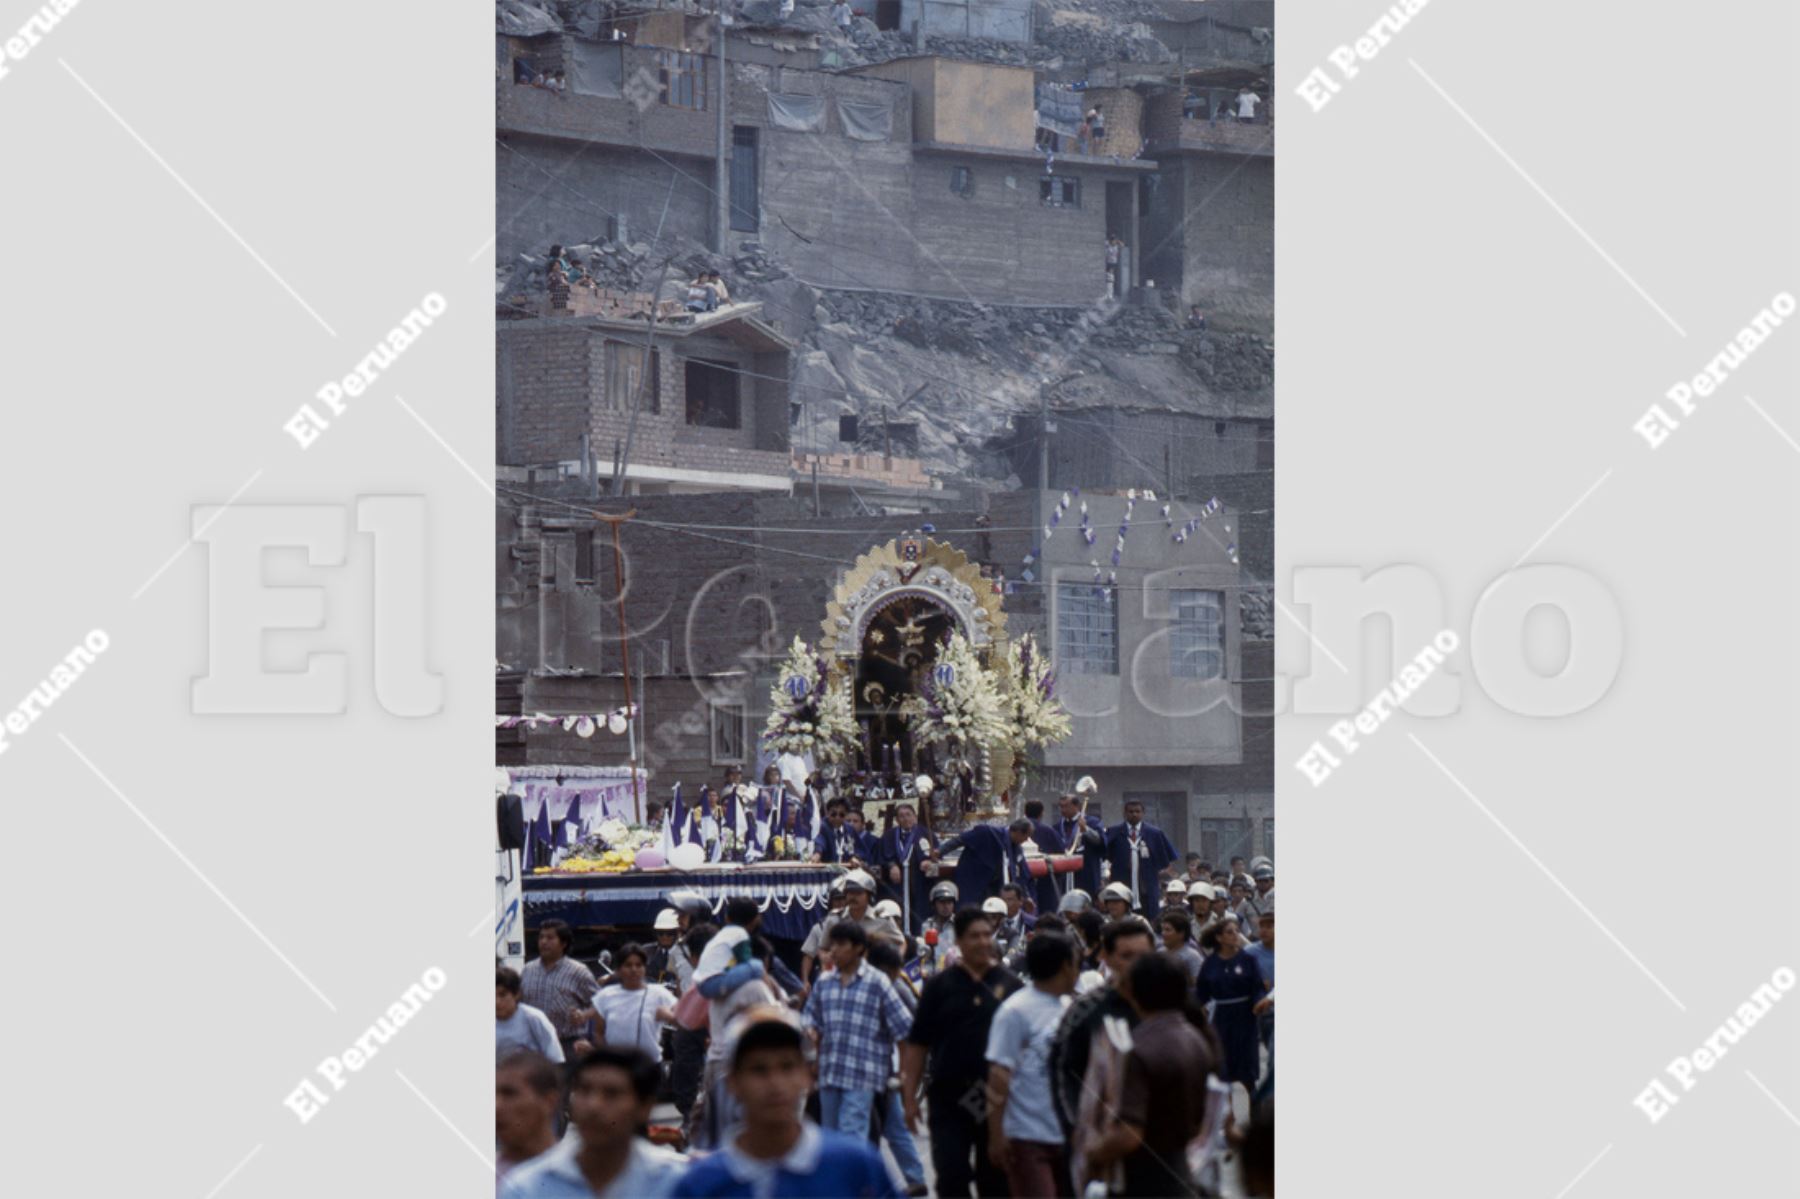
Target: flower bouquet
x: 809, y: 713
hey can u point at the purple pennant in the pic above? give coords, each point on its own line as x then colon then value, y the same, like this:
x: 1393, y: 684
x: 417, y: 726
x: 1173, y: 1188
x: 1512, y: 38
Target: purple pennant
x: 1115, y: 557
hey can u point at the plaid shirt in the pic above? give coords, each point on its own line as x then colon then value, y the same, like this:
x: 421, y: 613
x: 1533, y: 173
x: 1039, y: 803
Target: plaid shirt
x: 858, y: 1024
x: 559, y: 991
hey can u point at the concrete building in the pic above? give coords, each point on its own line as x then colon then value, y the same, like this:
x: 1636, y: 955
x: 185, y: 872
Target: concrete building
x: 919, y: 176
x: 712, y: 415
x: 1209, y: 223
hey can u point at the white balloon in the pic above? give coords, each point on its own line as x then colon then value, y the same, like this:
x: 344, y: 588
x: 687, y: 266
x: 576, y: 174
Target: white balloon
x: 615, y: 724
x: 688, y: 856
x: 585, y: 727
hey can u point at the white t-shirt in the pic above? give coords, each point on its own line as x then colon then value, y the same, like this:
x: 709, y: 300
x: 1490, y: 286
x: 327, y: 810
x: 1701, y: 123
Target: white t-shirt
x: 1019, y: 1039
x: 631, y: 1015
x: 1247, y: 102
x: 526, y: 1028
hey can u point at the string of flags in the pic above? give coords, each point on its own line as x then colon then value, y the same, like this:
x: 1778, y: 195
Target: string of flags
x: 1104, y: 579
x: 582, y: 724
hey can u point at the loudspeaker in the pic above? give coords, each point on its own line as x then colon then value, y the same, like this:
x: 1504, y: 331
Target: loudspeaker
x: 511, y: 819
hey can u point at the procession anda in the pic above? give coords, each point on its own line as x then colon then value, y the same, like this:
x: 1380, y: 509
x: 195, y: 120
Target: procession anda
x: 1056, y: 1002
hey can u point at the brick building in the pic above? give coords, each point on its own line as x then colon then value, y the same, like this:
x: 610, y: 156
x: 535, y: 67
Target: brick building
x: 712, y: 415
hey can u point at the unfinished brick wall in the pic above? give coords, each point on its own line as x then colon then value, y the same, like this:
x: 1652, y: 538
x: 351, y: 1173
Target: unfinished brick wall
x: 554, y: 383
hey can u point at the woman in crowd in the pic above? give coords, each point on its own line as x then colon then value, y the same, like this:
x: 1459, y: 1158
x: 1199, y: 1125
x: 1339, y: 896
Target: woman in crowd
x: 1232, y: 983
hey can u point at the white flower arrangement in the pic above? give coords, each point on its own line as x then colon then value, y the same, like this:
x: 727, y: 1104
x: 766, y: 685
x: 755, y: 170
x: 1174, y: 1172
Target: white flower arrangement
x: 1028, y: 684
x: 958, y: 700
x: 809, y: 712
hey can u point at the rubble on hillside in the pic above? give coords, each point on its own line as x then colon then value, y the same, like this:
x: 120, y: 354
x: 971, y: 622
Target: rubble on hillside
x: 960, y: 370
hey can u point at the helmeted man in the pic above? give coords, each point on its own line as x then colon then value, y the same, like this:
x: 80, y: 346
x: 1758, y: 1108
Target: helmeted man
x: 660, y: 963
x: 1262, y: 898
x: 1086, y: 837
x: 1115, y: 901
x: 991, y: 857
x: 859, y: 893
x: 1199, y: 898
x: 934, y: 951
x: 1137, y: 853
x: 1174, y: 896
x: 1074, y: 902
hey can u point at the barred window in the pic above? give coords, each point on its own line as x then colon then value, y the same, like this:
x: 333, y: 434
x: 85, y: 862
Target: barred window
x: 727, y: 734
x: 1087, y: 630
x: 1059, y: 192
x: 1197, y: 636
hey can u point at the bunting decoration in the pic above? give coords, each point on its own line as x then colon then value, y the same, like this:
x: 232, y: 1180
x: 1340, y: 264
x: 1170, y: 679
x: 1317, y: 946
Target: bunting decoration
x: 582, y: 724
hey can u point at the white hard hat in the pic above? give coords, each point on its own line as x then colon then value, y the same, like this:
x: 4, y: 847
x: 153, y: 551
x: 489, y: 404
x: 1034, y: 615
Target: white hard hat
x: 1116, y: 891
x: 1201, y: 891
x: 887, y: 909
x: 943, y: 891
x: 1075, y: 901
x: 860, y: 880
x: 994, y: 906
x: 667, y: 921
x: 1174, y: 887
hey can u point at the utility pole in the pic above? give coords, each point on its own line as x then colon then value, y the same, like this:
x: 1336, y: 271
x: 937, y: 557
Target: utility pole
x: 1044, y: 440
x: 721, y: 188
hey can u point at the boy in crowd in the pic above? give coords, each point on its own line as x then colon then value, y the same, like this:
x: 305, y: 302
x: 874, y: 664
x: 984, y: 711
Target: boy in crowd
x: 1024, y: 1135
x: 527, y: 1089
x: 776, y: 1152
x: 519, y: 1026
x: 610, y: 1097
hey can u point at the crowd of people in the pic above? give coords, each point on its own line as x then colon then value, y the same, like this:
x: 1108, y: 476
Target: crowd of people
x: 1030, y: 1033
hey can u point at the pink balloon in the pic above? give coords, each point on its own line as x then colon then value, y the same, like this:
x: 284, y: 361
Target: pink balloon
x: 649, y: 859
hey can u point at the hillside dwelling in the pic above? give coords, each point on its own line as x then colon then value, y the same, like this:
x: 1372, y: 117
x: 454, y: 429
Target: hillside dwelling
x: 710, y: 393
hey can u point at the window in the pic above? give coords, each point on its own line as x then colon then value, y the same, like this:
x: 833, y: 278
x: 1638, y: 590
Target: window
x: 683, y: 79
x: 727, y: 734
x: 625, y: 378
x: 712, y: 395
x: 1223, y: 840
x: 1087, y: 630
x: 1197, y: 634
x: 962, y: 181
x: 584, y: 555
x: 1059, y: 193
x: 743, y: 179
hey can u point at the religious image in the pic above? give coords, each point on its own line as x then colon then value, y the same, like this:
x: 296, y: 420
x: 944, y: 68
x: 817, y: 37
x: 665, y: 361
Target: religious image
x: 884, y: 527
